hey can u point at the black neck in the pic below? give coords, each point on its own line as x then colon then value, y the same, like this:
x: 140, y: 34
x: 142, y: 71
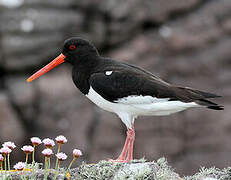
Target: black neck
x: 81, y: 72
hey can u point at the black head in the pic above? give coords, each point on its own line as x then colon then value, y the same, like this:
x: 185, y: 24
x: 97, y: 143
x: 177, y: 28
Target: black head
x: 76, y: 49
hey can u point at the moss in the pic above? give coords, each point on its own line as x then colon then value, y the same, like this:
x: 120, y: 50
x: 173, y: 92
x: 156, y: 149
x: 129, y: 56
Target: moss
x: 221, y: 174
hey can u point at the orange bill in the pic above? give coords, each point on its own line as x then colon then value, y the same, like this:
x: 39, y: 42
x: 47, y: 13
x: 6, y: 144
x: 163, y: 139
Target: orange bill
x: 57, y: 61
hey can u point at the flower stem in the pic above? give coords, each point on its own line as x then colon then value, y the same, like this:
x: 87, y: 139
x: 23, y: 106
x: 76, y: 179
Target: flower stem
x: 1, y: 170
x: 26, y: 159
x: 69, y: 167
x: 49, y: 163
x: 8, y: 161
x: 33, y: 156
x: 57, y: 170
x: 5, y: 162
x: 45, y: 163
x: 46, y: 168
x: 56, y: 164
x: 33, y: 163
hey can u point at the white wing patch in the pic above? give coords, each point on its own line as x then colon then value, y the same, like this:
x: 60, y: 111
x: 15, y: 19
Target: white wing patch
x: 108, y: 73
x: 141, y: 100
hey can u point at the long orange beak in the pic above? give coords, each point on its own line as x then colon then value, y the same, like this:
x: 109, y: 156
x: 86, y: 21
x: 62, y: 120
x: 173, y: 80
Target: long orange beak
x: 57, y: 61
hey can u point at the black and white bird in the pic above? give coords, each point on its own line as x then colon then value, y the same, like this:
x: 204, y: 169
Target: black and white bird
x: 126, y: 90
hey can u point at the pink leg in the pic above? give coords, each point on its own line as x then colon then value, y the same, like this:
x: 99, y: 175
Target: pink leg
x: 131, y: 144
x: 123, y: 154
x: 128, y: 147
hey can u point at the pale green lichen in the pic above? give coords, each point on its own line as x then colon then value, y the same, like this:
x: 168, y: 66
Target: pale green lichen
x: 221, y: 174
x: 135, y: 170
x: 99, y: 171
x: 165, y: 172
x: 140, y: 171
x: 142, y: 160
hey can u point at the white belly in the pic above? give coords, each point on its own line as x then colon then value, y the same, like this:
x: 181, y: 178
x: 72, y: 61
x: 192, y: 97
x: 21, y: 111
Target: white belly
x: 144, y: 106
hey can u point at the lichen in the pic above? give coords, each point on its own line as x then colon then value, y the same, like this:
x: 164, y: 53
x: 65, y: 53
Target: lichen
x: 165, y: 172
x: 135, y: 170
x: 221, y: 174
x: 99, y: 171
x: 140, y: 171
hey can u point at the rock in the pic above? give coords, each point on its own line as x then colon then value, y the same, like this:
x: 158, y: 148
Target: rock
x: 138, y: 169
x: 11, y: 127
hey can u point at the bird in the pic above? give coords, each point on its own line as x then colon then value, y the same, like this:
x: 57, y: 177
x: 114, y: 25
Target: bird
x: 127, y: 90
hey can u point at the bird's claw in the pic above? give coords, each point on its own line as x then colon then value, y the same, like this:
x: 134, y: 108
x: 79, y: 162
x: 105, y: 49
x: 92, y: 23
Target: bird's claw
x: 118, y: 160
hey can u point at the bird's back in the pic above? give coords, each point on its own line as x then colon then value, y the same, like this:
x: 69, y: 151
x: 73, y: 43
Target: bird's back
x: 130, y: 80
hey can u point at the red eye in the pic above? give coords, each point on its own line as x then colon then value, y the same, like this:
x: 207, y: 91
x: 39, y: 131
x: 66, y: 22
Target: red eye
x: 72, y: 47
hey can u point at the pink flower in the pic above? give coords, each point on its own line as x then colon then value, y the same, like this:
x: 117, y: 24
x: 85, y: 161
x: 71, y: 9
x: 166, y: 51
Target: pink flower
x: 49, y: 143
x: 9, y: 144
x: 1, y: 158
x: 19, y: 166
x: 77, y: 153
x: 47, y: 152
x: 27, y: 149
x: 5, y: 150
x: 35, y: 141
x: 61, y: 156
x: 61, y: 139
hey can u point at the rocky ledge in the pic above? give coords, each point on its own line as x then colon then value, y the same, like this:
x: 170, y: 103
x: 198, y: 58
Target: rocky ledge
x: 136, y: 170
x: 142, y: 170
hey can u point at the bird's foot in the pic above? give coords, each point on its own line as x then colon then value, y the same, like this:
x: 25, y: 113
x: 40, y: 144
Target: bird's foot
x: 119, y: 160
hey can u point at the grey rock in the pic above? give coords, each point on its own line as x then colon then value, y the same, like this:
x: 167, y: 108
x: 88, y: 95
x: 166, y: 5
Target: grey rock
x: 11, y: 128
x: 138, y: 169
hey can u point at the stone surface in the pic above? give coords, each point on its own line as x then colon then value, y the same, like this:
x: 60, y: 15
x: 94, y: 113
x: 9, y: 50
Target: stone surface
x: 184, y: 42
x: 138, y: 169
x: 11, y: 128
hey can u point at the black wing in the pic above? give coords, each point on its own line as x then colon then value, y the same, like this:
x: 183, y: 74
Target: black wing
x: 123, y: 83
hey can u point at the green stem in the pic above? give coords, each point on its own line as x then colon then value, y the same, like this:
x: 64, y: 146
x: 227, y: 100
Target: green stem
x: 45, y: 163
x: 49, y: 163
x: 46, y: 168
x: 59, y: 164
x: 57, y: 171
x: 69, y: 167
x: 5, y: 162
x: 56, y: 164
x: 8, y: 160
x: 33, y: 164
x: 26, y: 159
x: 33, y: 156
x: 1, y: 170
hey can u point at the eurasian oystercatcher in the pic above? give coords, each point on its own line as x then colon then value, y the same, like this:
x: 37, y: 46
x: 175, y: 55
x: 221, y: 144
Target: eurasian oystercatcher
x: 126, y: 90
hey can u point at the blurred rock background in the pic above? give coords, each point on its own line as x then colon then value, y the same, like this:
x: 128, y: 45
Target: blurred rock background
x: 184, y: 42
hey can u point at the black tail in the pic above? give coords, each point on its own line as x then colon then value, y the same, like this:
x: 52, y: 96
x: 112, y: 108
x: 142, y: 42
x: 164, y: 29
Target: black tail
x: 209, y: 104
x: 201, y: 97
